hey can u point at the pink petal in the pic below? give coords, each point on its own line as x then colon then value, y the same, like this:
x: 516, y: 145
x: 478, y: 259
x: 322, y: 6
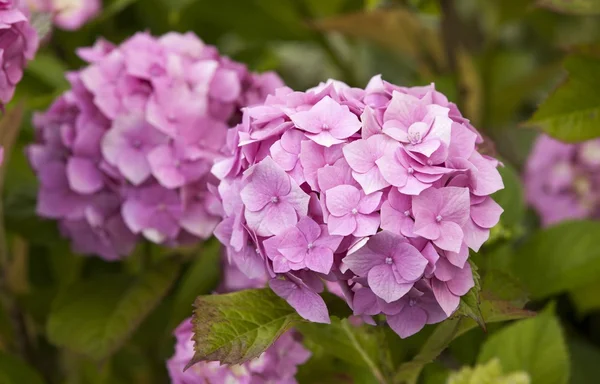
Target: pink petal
x: 487, y: 213
x: 413, y: 186
x: 451, y: 236
x: 293, y: 245
x: 134, y: 166
x: 365, y: 303
x: 409, y: 262
x: 359, y: 156
x: 456, y: 206
x: 307, y: 303
x: 370, y: 125
x: 408, y: 322
x: 366, y: 225
x: 392, y: 170
x: 84, y: 176
x: 325, y: 139
x: 319, y: 259
x: 342, y: 226
x: 371, y: 181
x: 462, y: 281
x: 445, y: 298
x: 383, y: 283
x: 444, y: 270
x: 369, y: 203
x: 475, y: 236
x: 429, y: 230
x: 342, y: 199
x: 458, y: 258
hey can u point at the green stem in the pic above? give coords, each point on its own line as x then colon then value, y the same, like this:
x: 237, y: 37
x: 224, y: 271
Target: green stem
x: 365, y: 356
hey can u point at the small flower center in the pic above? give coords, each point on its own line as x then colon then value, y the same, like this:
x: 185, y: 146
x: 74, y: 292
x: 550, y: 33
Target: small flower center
x: 325, y: 127
x: 257, y: 251
x: 407, y: 213
x: 415, y: 137
x: 311, y: 246
x: 388, y: 260
x: 354, y: 211
x: 410, y: 170
x: 137, y: 143
x: 412, y: 302
x: 429, y: 162
x: 438, y: 218
x: 274, y: 199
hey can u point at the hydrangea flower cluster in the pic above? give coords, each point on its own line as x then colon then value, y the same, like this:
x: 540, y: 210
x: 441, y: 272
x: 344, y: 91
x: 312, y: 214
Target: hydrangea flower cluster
x: 277, y: 365
x: 381, y: 190
x: 18, y: 44
x: 562, y: 180
x: 67, y: 14
x: 127, y: 151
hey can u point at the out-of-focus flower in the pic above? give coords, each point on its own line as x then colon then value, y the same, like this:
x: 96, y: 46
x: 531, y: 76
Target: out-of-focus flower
x: 67, y: 14
x: 379, y: 190
x: 128, y: 150
x: 562, y: 180
x: 277, y: 365
x: 18, y: 44
x: 489, y: 373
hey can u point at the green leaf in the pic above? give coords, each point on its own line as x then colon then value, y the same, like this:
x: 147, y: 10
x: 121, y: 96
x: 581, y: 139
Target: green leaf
x: 510, y: 198
x: 49, y: 69
x: 396, y: 29
x: 15, y: 371
x: 535, y: 346
x: 200, y: 278
x: 584, y: 361
x: 572, y: 112
x: 492, y: 311
x: 237, y: 327
x: 576, y: 7
x: 586, y: 298
x: 441, y: 337
x: 562, y: 257
x: 356, y: 345
x: 113, y: 9
x: 469, y: 303
x: 97, y: 316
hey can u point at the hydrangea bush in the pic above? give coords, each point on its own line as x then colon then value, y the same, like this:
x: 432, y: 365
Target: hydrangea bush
x: 562, y: 180
x: 338, y: 207
x: 127, y: 151
x: 381, y: 190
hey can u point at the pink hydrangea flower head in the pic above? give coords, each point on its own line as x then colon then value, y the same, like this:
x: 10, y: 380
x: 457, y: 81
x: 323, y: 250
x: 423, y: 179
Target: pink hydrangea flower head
x: 111, y: 138
x: 562, y: 181
x: 18, y: 44
x: 380, y: 190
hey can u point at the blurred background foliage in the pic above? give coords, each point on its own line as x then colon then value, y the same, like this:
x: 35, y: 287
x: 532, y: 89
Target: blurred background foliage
x: 498, y: 60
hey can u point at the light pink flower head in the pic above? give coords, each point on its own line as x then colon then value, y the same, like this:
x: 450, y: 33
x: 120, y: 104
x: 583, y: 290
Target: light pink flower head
x: 127, y: 151
x: 380, y: 190
x: 562, y: 181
